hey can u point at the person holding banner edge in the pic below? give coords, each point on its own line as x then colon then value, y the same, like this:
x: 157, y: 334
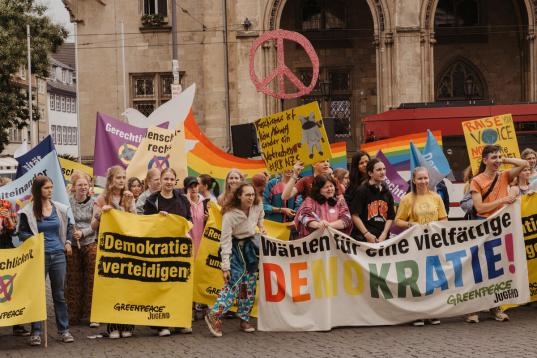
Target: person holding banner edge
x: 242, y: 213
x: 45, y: 216
x: 372, y: 208
x: 170, y: 201
x: 420, y: 206
x: 323, y: 208
x: 115, y: 196
x: 490, y: 192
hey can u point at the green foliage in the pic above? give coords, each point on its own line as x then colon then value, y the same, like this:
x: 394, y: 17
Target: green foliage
x: 45, y: 38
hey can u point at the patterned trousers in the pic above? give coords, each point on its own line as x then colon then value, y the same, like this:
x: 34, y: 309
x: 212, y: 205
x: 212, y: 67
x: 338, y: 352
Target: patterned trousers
x: 243, y: 291
x: 79, y: 282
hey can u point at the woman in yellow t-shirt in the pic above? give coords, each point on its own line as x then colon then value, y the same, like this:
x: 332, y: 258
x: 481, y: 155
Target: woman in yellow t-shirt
x: 420, y: 206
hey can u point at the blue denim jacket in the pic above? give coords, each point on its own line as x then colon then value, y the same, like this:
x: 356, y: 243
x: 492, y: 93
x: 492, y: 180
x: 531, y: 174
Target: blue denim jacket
x: 244, y: 258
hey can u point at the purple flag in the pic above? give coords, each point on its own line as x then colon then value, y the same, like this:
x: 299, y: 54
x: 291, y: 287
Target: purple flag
x: 397, y: 185
x: 115, y: 143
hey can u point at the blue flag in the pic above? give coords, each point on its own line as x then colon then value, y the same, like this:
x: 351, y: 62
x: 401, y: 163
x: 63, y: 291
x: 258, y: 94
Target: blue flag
x: 34, y: 155
x: 434, y: 154
x: 418, y: 160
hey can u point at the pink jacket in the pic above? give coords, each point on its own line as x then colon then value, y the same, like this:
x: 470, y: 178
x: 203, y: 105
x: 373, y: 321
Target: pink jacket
x: 312, y: 210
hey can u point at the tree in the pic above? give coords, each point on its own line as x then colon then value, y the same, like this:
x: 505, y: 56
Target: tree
x: 45, y: 38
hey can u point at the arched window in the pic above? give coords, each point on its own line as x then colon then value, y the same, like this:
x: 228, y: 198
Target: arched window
x: 323, y: 14
x: 460, y: 81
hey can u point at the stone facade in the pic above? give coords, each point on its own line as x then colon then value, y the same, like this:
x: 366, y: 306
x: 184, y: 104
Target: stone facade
x: 395, y: 51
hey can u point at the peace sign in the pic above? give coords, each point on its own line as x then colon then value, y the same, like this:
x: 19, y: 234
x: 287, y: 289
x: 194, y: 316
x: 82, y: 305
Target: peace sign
x: 282, y: 70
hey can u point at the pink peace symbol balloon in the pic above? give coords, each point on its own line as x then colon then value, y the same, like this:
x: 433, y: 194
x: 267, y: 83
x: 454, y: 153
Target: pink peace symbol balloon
x: 282, y: 71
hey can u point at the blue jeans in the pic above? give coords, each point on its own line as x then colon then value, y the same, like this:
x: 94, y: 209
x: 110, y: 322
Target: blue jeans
x: 55, y: 268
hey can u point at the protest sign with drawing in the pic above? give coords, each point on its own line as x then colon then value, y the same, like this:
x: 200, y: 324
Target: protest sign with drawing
x: 498, y: 130
x: 295, y: 134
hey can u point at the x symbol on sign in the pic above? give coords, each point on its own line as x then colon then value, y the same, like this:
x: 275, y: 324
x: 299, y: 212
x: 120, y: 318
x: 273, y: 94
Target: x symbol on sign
x: 4, y: 286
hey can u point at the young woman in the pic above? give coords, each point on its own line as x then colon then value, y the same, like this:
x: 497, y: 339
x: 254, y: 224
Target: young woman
x: 168, y: 200
x: 521, y: 184
x: 357, y: 174
x: 277, y: 209
x: 135, y: 187
x: 208, y: 187
x: 233, y: 178
x: 81, y: 264
x: 242, y: 212
x: 420, y: 206
x: 323, y: 208
x: 373, y: 206
x: 198, y: 208
x: 342, y: 179
x: 114, y: 196
x: 151, y: 185
x: 531, y: 156
x: 45, y: 216
x: 490, y: 192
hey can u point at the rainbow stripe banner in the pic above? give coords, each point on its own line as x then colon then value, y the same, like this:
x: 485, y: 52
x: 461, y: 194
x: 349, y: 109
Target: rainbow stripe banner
x: 206, y: 158
x: 397, y: 149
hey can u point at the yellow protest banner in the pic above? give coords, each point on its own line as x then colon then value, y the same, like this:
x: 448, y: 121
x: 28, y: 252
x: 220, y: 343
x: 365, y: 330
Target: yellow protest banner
x: 22, y: 283
x: 143, y: 270
x: 161, y: 148
x: 529, y: 227
x: 498, y: 130
x: 208, y: 278
x: 295, y: 134
x: 68, y: 167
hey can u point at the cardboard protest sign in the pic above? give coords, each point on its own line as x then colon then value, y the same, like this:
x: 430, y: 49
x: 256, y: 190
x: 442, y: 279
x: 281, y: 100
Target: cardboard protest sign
x: 295, y: 134
x: 498, y: 130
x: 208, y: 279
x: 161, y: 148
x: 143, y: 270
x: 441, y: 269
x: 22, y: 283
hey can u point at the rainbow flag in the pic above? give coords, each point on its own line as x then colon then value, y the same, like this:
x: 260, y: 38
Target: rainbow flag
x: 206, y: 158
x: 397, y: 149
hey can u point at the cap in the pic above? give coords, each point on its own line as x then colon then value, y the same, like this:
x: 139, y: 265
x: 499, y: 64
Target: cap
x: 189, y: 181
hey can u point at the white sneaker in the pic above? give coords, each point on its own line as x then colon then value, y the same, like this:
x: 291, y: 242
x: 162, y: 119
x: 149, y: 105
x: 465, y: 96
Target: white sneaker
x: 418, y: 323
x: 114, y: 335
x: 186, y: 330
x: 94, y: 325
x: 164, y: 332
x: 126, y: 334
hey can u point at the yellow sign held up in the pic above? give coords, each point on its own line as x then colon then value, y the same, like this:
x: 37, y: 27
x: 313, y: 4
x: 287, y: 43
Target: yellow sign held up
x: 529, y: 227
x: 161, y: 148
x: 295, y: 134
x: 498, y: 130
x: 22, y: 283
x: 143, y: 270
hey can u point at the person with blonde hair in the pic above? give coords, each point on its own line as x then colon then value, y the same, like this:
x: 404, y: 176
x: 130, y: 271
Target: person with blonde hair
x: 420, y: 206
x: 233, y: 178
x: 115, y: 196
x: 151, y: 185
x: 81, y: 263
x: 531, y: 156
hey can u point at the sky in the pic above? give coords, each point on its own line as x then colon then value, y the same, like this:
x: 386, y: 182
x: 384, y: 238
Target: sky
x: 58, y: 13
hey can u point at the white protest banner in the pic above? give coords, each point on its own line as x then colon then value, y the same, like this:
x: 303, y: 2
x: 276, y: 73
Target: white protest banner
x: 441, y: 269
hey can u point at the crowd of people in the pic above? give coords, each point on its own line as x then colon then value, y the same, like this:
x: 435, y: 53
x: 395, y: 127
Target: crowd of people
x: 356, y: 202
